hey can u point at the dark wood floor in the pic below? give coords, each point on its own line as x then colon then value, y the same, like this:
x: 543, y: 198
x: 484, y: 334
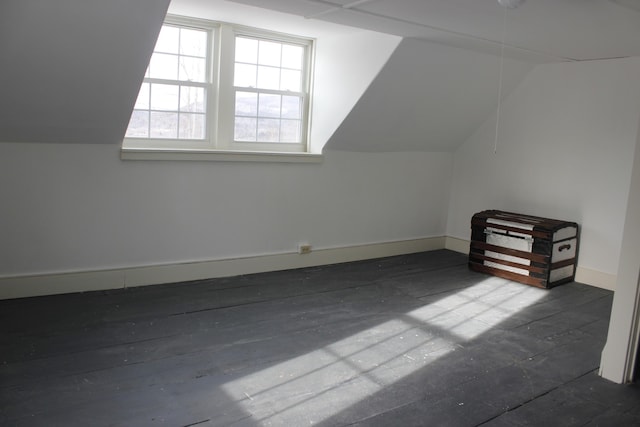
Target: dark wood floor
x: 410, y: 340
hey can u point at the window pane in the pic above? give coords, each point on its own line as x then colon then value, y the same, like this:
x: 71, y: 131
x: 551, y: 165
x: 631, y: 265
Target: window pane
x: 142, y: 103
x: 246, y: 104
x: 268, y: 78
x: 292, y: 56
x: 269, y: 105
x: 269, y: 53
x: 246, y: 50
x: 164, y: 97
x: 164, y: 125
x: 291, y: 80
x: 163, y: 66
x: 192, y: 99
x: 138, y: 125
x: 290, y: 131
x: 268, y: 130
x: 168, y: 39
x: 192, y: 69
x: 191, y: 126
x: 245, y: 75
x: 193, y: 42
x: 245, y: 129
x: 291, y: 107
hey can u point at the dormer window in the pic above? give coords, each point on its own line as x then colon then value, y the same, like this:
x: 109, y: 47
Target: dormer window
x: 216, y: 86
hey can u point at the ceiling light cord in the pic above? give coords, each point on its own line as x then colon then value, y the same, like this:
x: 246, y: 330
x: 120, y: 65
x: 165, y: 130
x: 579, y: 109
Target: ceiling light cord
x: 511, y: 4
x: 504, y: 31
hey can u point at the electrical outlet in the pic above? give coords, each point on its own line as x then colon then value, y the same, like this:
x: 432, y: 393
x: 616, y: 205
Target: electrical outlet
x: 304, y: 249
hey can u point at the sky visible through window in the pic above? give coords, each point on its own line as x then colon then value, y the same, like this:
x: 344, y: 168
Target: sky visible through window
x: 270, y: 107
x: 168, y: 104
x: 188, y: 96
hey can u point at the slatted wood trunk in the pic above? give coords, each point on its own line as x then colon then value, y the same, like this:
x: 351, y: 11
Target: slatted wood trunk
x: 537, y: 251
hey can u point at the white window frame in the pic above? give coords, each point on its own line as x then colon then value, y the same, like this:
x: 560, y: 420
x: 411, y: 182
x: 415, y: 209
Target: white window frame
x: 221, y: 103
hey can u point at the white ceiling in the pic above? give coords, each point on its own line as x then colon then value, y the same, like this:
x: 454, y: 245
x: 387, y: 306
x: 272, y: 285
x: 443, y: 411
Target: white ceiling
x: 538, y: 30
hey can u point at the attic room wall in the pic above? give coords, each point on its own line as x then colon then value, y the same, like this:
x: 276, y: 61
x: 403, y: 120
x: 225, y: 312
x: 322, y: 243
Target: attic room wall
x: 78, y: 207
x: 565, y: 148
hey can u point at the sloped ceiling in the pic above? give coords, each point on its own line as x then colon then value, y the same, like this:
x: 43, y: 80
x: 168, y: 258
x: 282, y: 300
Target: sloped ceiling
x: 71, y: 69
x: 428, y: 97
x: 442, y: 81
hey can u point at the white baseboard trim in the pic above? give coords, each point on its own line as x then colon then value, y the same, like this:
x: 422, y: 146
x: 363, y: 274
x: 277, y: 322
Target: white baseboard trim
x: 85, y: 281
x: 60, y: 283
x: 583, y: 275
x: 457, y: 245
x: 596, y: 278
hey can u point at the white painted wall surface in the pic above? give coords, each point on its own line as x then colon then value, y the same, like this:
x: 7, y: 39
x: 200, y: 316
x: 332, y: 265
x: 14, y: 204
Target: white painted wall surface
x: 565, y: 150
x: 619, y: 354
x: 79, y: 207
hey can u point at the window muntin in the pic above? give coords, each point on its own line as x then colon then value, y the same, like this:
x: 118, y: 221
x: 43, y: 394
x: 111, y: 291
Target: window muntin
x: 268, y: 82
x: 188, y: 100
x: 171, y: 103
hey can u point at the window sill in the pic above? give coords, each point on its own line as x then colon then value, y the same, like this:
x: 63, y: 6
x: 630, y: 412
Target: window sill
x: 218, y: 155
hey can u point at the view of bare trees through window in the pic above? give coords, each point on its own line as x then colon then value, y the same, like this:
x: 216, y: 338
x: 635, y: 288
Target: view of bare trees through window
x: 171, y: 103
x: 267, y: 117
x: 252, y: 94
x: 268, y: 84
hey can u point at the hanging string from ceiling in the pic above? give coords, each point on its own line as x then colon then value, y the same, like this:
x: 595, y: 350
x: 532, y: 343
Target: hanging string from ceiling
x: 507, y: 4
x: 510, y: 4
x: 499, y: 107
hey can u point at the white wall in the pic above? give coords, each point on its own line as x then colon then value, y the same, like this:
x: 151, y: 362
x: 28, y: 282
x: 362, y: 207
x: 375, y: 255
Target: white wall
x: 565, y: 149
x: 79, y: 207
x: 619, y: 356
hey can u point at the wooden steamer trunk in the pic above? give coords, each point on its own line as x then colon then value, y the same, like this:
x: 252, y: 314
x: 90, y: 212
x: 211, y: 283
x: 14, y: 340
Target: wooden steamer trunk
x: 536, y: 251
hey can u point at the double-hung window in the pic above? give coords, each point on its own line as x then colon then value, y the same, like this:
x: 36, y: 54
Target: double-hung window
x: 215, y: 86
x: 268, y: 89
x: 172, y: 102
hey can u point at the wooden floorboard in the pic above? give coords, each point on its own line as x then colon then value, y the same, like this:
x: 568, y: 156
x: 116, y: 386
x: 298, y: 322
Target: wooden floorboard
x: 409, y: 340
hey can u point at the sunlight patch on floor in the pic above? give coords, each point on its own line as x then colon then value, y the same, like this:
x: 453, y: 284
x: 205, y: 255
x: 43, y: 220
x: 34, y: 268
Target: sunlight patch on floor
x: 313, y: 387
x: 473, y: 311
